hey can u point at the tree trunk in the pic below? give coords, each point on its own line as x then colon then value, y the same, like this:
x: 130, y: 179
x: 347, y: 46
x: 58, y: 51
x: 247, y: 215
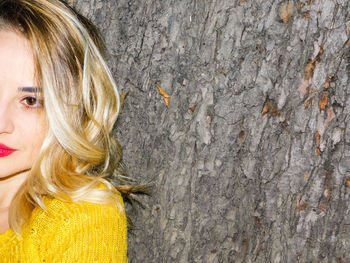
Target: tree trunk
x: 250, y: 159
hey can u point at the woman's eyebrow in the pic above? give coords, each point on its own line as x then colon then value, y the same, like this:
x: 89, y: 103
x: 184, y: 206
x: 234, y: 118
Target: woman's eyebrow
x: 30, y: 89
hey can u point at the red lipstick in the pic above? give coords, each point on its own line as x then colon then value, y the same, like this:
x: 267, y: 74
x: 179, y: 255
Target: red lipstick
x: 5, y: 150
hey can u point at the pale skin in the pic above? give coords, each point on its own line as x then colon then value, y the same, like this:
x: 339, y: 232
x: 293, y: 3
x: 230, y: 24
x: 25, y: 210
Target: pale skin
x: 22, y: 117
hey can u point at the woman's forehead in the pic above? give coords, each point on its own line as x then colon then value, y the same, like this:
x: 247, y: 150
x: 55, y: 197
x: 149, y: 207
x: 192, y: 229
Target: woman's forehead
x: 16, y: 60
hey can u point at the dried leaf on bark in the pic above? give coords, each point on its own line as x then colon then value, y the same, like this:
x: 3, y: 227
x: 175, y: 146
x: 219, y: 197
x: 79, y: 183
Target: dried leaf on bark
x: 324, y: 100
x: 301, y: 206
x: 192, y: 109
x: 165, y: 96
x: 286, y: 11
x: 317, y: 138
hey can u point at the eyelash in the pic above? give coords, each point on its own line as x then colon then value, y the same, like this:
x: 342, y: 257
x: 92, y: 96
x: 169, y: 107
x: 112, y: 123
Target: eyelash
x: 38, y: 103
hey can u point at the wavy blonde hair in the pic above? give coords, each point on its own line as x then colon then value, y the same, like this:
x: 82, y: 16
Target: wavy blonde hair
x: 81, y: 102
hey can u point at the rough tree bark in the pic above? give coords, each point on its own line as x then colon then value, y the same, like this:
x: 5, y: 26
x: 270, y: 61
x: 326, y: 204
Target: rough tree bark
x: 251, y: 160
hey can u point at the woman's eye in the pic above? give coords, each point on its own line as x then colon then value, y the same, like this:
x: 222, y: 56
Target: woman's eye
x: 32, y: 102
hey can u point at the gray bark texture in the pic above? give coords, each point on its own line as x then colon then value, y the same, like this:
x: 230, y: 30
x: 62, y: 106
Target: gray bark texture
x: 251, y: 159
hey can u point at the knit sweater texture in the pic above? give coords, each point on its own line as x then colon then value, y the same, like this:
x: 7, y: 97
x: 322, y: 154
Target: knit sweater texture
x: 68, y: 232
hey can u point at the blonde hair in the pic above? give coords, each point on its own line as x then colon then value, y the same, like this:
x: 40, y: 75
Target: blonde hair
x: 81, y: 103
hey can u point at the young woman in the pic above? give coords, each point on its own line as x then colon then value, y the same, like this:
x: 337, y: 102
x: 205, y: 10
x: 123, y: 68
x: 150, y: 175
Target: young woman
x: 58, y: 105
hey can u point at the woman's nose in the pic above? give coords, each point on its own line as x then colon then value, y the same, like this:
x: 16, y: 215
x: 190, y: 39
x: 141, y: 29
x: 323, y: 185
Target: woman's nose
x: 6, y: 120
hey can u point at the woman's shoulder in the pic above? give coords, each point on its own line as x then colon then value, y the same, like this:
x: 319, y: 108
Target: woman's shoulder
x: 61, y: 208
x: 77, y: 228
x: 65, y: 214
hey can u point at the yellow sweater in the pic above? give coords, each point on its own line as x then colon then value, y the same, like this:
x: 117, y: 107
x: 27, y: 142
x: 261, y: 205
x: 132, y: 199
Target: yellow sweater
x: 68, y: 232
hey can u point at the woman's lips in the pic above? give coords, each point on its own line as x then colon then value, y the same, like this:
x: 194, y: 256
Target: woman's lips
x: 5, y: 150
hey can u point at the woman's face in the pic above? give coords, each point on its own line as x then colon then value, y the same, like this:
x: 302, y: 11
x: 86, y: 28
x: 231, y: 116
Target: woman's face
x: 22, y: 116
